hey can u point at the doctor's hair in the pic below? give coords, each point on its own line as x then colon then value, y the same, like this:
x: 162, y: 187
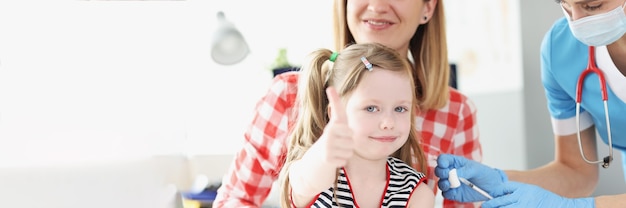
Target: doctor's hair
x: 344, y: 74
x: 428, y: 52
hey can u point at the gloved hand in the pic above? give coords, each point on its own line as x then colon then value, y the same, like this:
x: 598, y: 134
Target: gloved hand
x: 488, y: 179
x: 526, y: 195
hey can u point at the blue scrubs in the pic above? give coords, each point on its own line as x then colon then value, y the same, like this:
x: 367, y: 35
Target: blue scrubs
x: 563, y: 58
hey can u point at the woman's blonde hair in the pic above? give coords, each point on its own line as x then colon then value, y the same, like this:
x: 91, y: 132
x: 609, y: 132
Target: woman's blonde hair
x: 344, y: 75
x: 428, y: 48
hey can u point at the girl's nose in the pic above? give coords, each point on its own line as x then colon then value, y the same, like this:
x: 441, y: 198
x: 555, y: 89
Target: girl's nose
x: 387, y: 123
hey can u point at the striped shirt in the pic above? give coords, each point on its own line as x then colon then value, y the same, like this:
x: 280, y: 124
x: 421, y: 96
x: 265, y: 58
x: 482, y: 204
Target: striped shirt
x: 401, y: 179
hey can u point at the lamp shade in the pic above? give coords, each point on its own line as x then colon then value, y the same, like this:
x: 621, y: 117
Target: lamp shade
x: 228, y: 46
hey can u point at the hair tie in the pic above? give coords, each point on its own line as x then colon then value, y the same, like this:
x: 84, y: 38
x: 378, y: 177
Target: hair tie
x: 368, y: 65
x: 333, y: 56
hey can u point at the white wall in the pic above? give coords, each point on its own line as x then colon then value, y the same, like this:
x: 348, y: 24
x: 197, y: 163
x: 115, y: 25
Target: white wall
x: 486, y: 46
x: 108, y: 80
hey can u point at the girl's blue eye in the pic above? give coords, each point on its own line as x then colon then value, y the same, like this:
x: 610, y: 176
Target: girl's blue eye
x: 371, y: 108
x: 401, y: 109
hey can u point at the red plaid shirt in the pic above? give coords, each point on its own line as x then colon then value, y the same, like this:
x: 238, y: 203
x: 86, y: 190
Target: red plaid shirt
x: 451, y: 129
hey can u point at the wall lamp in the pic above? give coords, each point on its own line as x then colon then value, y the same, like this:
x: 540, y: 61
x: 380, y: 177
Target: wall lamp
x: 228, y: 46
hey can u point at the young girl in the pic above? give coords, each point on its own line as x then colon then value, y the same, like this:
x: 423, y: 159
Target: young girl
x: 353, y: 143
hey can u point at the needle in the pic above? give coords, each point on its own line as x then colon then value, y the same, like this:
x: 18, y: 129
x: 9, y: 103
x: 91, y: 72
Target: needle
x: 471, y: 185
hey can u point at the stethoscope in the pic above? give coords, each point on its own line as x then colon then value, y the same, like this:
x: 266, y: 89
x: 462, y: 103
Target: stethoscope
x: 592, y: 68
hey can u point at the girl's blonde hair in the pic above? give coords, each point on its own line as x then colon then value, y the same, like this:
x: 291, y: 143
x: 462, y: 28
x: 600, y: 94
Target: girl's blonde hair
x: 344, y: 74
x: 429, y: 50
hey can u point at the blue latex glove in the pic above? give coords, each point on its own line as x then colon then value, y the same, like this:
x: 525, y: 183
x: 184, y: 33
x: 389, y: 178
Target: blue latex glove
x: 526, y: 195
x: 488, y: 179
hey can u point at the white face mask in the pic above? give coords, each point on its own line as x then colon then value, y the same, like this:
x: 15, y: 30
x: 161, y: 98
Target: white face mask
x: 599, y: 29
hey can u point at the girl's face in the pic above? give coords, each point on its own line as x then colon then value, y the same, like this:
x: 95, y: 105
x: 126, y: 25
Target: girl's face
x: 378, y: 112
x: 391, y: 23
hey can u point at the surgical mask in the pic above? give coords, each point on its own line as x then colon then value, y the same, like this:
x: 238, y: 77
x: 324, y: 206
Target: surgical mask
x: 599, y: 29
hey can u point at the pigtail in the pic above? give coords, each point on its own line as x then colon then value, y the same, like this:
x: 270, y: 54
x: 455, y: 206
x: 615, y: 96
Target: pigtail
x: 312, y: 92
x: 311, y: 119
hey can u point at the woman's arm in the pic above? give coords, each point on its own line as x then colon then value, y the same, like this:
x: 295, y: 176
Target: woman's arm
x: 568, y: 174
x: 613, y: 201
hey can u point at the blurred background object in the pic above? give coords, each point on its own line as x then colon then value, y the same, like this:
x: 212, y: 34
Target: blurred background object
x: 281, y: 63
x: 229, y: 46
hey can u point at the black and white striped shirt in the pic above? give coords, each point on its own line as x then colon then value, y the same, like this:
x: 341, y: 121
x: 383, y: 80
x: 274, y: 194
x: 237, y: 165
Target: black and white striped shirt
x: 402, y: 180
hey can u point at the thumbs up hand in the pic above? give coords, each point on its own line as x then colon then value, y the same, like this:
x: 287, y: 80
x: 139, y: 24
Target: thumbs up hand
x: 315, y: 171
x: 335, y: 147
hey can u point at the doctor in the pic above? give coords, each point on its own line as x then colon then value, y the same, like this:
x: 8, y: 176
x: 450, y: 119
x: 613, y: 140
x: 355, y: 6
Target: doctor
x: 591, y: 34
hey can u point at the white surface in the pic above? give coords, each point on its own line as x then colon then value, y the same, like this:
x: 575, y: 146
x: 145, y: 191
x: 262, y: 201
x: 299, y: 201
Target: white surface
x: 98, y: 185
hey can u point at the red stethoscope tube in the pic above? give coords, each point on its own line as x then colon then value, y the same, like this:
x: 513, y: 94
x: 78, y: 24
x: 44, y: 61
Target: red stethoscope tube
x: 592, y: 68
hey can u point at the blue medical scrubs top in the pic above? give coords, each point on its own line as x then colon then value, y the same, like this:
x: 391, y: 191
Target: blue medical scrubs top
x: 563, y: 58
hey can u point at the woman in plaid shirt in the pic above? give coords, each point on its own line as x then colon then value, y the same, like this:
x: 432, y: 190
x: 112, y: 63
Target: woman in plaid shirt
x: 415, y: 28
